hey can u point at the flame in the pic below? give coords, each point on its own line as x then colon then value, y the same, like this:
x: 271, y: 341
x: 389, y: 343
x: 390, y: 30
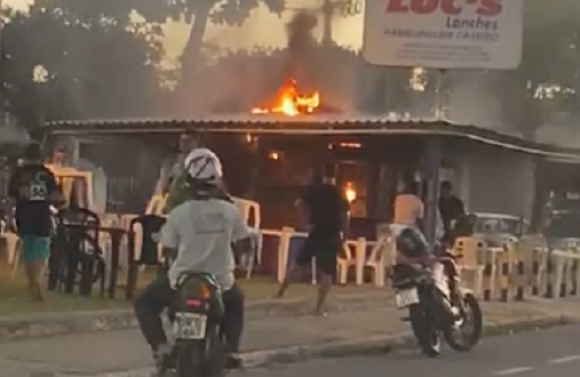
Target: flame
x: 289, y: 102
x: 350, y: 192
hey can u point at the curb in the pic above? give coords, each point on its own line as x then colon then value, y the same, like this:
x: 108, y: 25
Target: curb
x: 51, y: 324
x: 368, y: 346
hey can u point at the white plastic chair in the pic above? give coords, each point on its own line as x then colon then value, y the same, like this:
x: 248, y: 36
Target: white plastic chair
x: 248, y: 208
x: 67, y: 175
x: 346, y: 260
x: 12, y: 241
x: 377, y: 259
x: 472, y: 250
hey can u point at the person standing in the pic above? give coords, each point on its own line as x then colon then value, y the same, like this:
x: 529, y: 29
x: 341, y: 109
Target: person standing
x: 452, y: 212
x: 173, y: 168
x: 327, y: 212
x: 33, y: 189
x: 408, y: 209
x: 178, y: 185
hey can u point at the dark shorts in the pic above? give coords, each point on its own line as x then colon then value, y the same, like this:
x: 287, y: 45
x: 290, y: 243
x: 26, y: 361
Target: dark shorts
x: 323, y: 247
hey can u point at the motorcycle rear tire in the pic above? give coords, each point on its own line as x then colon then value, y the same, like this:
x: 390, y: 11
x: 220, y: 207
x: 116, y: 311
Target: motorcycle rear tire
x: 425, y: 331
x: 190, y: 359
x: 462, y: 343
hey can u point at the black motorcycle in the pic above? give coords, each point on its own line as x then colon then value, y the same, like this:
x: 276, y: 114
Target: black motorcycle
x: 454, y: 313
x: 200, y: 349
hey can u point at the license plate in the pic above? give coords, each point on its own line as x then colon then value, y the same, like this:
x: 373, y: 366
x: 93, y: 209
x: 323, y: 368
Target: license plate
x: 407, y: 297
x: 189, y: 326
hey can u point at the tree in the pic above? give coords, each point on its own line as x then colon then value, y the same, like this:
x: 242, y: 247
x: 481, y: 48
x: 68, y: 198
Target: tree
x: 548, y: 78
x: 100, y: 62
x: 198, y: 13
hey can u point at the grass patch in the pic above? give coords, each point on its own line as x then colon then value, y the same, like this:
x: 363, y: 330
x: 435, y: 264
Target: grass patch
x: 14, y: 297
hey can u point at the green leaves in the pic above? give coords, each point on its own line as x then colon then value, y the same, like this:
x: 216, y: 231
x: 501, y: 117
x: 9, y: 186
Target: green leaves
x: 101, y: 63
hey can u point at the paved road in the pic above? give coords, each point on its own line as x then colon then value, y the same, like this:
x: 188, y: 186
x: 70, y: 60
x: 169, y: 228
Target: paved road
x: 553, y: 352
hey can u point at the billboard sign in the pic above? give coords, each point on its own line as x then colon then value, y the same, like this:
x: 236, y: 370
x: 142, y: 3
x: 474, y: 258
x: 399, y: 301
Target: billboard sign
x: 444, y: 34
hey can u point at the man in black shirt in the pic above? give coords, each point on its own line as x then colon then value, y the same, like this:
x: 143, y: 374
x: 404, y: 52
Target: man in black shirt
x: 327, y: 211
x: 451, y: 210
x: 33, y: 189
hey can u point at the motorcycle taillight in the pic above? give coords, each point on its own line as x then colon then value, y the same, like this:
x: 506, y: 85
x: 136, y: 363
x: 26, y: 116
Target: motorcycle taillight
x: 192, y: 303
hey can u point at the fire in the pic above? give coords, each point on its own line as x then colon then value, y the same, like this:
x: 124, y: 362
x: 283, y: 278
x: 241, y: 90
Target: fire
x: 289, y: 102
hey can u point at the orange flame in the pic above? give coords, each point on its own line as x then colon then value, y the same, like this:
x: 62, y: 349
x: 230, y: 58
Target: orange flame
x: 289, y: 102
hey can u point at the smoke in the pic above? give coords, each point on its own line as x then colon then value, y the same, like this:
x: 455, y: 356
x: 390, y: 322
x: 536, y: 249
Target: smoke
x: 471, y: 99
x: 302, y: 46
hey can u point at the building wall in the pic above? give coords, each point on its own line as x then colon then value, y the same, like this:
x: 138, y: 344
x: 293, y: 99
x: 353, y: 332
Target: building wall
x: 498, y: 181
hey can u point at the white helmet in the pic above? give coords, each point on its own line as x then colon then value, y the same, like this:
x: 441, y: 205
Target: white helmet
x: 204, y: 165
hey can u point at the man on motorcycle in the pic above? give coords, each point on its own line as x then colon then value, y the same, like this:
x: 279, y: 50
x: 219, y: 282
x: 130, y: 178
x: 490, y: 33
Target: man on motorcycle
x: 198, y: 236
x: 408, y: 215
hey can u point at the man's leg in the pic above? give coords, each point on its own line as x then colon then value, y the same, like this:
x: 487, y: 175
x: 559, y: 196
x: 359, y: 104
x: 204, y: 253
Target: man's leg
x: 233, y: 324
x: 303, y: 260
x: 35, y: 253
x: 326, y: 256
x: 39, y: 265
x: 148, y: 308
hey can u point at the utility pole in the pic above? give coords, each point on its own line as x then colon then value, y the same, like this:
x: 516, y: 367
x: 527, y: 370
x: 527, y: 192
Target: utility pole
x: 327, y: 13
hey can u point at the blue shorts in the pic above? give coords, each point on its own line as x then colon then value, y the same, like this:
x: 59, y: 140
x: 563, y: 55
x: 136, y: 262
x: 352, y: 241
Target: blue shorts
x: 34, y: 248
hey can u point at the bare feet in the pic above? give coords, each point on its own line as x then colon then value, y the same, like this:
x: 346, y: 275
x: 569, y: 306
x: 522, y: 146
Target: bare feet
x: 319, y: 312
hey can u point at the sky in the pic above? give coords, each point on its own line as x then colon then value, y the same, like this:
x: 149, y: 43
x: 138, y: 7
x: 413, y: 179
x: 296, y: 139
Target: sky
x: 262, y: 29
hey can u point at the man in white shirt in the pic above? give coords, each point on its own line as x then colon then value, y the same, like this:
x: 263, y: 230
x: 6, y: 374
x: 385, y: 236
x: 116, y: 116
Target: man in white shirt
x: 409, y: 209
x: 198, y: 235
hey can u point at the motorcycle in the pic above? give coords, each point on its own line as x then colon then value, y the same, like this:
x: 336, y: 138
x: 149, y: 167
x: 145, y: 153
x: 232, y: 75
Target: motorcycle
x: 452, y: 312
x: 200, y: 349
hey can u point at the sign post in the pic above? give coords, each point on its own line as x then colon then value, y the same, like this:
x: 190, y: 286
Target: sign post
x: 442, y: 35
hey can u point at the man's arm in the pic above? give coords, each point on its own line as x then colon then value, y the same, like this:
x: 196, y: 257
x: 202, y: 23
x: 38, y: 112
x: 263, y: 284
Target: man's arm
x: 241, y: 236
x: 55, y: 196
x: 170, y: 237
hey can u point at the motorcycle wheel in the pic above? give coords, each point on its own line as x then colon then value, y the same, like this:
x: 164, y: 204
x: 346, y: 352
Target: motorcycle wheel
x: 217, y: 354
x: 189, y: 359
x: 425, y: 331
x: 464, y: 337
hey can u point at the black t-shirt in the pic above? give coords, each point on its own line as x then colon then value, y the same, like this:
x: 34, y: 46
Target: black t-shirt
x: 450, y: 208
x: 326, y: 207
x: 32, y: 186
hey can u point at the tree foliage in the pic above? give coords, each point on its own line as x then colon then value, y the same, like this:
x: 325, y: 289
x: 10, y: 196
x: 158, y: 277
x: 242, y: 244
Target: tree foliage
x: 100, y: 62
x: 199, y: 13
x: 548, y: 79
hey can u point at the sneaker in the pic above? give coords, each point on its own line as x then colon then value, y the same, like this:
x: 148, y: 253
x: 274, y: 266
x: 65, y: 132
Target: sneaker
x: 162, y: 357
x: 234, y: 361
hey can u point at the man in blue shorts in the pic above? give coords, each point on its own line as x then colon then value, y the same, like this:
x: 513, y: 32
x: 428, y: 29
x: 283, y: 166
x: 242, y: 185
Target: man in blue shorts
x: 33, y: 188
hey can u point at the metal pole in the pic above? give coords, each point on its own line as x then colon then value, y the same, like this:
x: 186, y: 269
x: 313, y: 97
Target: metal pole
x: 432, y: 165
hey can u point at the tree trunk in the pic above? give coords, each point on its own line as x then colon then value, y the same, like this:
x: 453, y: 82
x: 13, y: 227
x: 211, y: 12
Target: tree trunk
x: 192, y: 51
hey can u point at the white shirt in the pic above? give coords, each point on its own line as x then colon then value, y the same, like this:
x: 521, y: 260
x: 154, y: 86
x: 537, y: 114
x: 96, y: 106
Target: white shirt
x: 408, y: 209
x: 203, y: 231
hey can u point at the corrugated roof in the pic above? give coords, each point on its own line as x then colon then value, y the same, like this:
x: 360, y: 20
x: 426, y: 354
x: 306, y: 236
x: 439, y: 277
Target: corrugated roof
x: 244, y: 119
x: 319, y: 124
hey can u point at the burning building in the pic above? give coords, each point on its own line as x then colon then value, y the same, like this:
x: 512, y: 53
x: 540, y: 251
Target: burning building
x: 269, y: 148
